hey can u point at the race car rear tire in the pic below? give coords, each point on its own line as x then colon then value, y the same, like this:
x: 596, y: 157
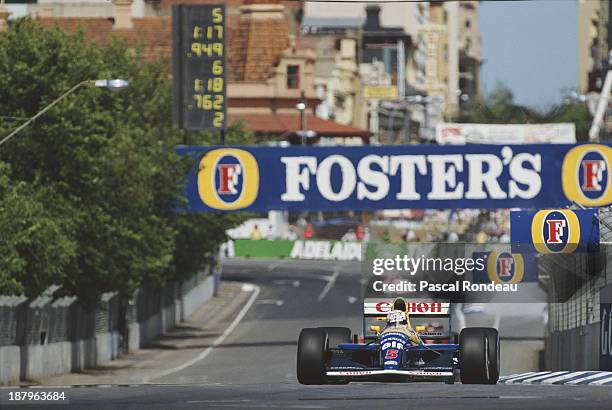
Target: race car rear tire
x: 337, y: 335
x: 479, y: 355
x: 311, y: 356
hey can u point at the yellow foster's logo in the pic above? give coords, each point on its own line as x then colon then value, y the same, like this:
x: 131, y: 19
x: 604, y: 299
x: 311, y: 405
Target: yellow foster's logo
x: 505, y: 267
x: 555, y: 231
x: 228, y: 179
x: 586, y: 175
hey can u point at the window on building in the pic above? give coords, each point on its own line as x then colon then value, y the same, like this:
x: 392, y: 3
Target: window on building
x: 293, y: 77
x: 468, y: 23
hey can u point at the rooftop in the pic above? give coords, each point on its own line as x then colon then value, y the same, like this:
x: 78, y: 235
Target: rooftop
x: 290, y: 124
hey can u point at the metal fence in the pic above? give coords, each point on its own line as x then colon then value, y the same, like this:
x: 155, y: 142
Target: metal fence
x: 45, y: 320
x: 45, y: 335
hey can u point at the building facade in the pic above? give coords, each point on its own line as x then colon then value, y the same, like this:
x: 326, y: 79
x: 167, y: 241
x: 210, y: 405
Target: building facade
x: 269, y: 74
x: 441, y: 60
x: 594, y: 39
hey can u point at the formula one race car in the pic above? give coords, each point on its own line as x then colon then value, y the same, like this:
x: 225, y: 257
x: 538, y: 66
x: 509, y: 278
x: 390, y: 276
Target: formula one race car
x: 331, y: 355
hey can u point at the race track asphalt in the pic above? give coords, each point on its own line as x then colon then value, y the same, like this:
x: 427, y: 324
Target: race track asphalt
x: 254, y: 367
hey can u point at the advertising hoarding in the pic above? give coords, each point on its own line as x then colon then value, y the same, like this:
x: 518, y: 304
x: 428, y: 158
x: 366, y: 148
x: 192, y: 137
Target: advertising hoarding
x: 397, y: 177
x: 458, y: 134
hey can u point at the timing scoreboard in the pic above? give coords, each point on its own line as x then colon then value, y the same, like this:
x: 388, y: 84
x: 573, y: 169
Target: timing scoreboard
x: 198, y: 69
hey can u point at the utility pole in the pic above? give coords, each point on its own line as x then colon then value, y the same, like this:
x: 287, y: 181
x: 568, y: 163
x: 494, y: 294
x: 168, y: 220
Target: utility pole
x: 602, y: 106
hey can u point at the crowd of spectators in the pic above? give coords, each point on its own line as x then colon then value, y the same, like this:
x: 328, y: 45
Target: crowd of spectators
x: 489, y: 226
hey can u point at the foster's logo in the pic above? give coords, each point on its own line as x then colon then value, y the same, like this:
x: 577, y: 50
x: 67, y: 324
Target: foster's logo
x: 586, y: 175
x: 505, y: 267
x: 228, y: 179
x: 555, y: 231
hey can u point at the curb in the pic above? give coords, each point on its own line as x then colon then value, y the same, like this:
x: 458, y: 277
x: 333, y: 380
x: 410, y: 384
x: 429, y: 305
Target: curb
x: 570, y: 378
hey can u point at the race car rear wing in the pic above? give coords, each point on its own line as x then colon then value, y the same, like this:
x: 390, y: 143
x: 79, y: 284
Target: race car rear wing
x: 414, y: 307
x: 421, y: 312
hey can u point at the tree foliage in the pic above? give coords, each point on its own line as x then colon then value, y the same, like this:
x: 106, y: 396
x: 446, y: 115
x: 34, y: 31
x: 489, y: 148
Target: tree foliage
x: 97, y: 175
x: 499, y: 107
x: 37, y: 244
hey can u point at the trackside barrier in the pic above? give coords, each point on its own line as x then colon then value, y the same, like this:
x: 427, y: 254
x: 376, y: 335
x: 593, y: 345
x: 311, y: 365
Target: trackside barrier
x: 575, y: 340
x: 43, y: 337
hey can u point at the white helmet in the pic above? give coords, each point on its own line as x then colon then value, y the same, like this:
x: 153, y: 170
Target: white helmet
x: 397, y: 318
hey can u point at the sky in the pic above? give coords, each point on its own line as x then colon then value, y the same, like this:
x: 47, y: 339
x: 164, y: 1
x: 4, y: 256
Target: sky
x: 531, y: 47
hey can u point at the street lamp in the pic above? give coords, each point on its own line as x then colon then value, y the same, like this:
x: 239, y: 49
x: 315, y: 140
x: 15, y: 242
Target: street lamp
x: 301, y: 107
x: 114, y: 84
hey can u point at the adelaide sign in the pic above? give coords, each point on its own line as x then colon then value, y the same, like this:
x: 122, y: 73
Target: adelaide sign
x: 397, y: 177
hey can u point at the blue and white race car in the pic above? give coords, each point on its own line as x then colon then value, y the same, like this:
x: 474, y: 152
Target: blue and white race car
x: 400, y: 351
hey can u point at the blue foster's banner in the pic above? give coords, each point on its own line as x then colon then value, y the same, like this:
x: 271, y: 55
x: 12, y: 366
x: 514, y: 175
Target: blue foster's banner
x: 554, y: 231
x: 506, y: 267
x: 397, y: 177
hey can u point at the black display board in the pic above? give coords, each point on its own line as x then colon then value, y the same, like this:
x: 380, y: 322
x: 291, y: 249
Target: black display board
x: 198, y: 67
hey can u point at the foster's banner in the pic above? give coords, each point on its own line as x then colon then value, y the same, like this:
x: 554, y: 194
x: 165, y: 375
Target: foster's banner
x: 554, y: 231
x: 397, y: 177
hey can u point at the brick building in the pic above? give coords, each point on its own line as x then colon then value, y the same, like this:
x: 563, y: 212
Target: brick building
x: 267, y: 73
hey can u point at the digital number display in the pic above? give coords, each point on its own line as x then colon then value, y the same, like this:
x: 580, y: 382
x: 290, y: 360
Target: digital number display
x: 199, y: 68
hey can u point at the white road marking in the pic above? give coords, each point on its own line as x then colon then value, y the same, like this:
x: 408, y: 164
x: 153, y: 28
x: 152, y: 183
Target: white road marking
x: 330, y: 283
x: 351, y: 299
x: 277, y: 302
x: 294, y: 283
x: 276, y: 264
x: 256, y: 289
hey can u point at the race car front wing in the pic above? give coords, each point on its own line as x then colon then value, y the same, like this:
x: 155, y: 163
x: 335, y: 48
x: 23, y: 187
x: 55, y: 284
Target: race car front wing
x: 363, y: 361
x: 410, y: 373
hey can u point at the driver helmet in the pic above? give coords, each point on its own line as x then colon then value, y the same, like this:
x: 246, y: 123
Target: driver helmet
x: 397, y: 318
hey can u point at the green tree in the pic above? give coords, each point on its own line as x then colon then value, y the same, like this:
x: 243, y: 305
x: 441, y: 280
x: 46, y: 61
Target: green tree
x: 107, y: 156
x: 498, y: 107
x: 575, y: 112
x: 37, y: 244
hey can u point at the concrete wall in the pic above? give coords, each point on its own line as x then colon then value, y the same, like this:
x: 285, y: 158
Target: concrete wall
x: 37, y: 361
x: 573, y: 349
x: 193, y: 300
x: 9, y: 364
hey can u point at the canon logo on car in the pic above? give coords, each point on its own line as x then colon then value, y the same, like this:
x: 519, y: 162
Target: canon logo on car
x: 382, y: 306
x: 413, y: 307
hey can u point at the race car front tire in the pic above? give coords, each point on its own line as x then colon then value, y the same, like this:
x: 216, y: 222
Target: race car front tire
x: 479, y: 355
x: 311, y: 356
x: 337, y: 335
